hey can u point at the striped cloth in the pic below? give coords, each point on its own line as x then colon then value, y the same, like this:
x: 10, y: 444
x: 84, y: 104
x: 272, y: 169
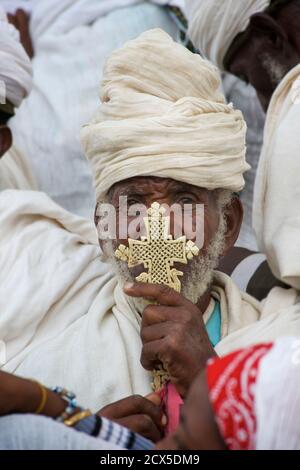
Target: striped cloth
x: 113, y: 433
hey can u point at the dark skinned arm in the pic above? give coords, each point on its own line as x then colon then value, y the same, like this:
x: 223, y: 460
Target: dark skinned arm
x: 18, y: 395
x: 139, y: 414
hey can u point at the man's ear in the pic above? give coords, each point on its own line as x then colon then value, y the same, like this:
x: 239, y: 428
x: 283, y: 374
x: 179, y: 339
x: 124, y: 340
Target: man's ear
x: 268, y: 27
x: 96, y: 220
x: 234, y: 219
x: 96, y: 216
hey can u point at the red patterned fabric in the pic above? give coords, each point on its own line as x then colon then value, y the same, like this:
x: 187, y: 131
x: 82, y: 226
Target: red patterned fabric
x: 231, y: 382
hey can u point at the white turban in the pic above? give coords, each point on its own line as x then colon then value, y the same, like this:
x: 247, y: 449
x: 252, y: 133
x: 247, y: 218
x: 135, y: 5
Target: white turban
x: 163, y: 115
x: 213, y: 24
x: 15, y: 65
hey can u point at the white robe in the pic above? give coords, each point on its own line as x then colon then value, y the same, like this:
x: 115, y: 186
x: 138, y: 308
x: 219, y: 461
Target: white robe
x: 15, y: 171
x: 276, y: 216
x: 65, y: 319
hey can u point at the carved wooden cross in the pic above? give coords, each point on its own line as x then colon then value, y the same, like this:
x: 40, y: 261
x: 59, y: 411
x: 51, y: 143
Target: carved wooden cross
x: 158, y: 251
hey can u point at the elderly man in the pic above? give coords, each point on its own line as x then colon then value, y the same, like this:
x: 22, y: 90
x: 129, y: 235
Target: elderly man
x: 161, y: 135
x: 15, y: 84
x: 259, y: 41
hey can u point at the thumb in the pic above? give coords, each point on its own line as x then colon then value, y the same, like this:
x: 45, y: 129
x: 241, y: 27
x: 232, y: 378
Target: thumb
x: 154, y: 398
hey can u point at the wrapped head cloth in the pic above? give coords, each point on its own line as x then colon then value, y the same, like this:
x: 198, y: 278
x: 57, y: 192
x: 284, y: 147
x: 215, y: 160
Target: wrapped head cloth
x: 15, y: 65
x: 214, y: 24
x: 162, y: 114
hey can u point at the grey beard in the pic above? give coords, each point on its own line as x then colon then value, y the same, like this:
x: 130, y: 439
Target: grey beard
x: 275, y: 70
x: 194, y: 283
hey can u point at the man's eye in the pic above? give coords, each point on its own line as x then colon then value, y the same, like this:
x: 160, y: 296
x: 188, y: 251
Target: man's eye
x: 186, y: 200
x: 132, y: 202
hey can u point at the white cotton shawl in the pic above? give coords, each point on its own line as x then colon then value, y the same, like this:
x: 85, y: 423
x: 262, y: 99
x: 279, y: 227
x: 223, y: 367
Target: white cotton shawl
x: 15, y: 171
x: 162, y: 114
x: 276, y: 214
x: 277, y: 397
x: 213, y: 24
x: 15, y: 65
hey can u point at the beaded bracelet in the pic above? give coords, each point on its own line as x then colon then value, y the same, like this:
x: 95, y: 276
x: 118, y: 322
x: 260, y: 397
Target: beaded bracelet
x: 71, y: 400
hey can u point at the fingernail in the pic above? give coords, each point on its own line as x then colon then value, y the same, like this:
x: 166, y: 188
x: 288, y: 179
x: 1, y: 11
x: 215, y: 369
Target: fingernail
x: 164, y: 421
x: 128, y: 285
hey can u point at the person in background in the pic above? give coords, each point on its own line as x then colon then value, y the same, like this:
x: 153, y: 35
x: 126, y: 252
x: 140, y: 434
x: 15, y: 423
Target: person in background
x: 15, y: 85
x: 259, y: 42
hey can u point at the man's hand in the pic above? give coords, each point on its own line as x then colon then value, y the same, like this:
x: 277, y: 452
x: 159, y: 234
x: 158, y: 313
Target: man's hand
x: 139, y: 414
x: 20, y: 20
x: 173, y: 333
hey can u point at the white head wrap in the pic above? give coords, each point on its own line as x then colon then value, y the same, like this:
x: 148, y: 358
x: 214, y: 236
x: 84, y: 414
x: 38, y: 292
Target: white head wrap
x: 213, y: 24
x: 163, y: 115
x: 15, y: 65
x: 277, y: 397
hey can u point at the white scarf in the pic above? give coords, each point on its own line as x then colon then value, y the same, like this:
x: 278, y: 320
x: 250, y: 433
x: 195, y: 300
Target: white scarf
x: 15, y: 171
x: 276, y: 213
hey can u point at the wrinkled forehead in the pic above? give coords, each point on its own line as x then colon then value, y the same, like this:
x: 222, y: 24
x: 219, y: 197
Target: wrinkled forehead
x: 149, y: 186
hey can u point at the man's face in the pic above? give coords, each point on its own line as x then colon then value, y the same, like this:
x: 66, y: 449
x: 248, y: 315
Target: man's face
x: 211, y: 222
x: 264, y: 58
x: 145, y: 191
x: 249, y: 66
x: 5, y: 134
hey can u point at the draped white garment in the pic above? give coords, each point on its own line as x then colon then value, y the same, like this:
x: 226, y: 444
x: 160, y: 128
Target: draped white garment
x: 15, y: 171
x: 64, y: 318
x: 277, y: 398
x: 276, y: 207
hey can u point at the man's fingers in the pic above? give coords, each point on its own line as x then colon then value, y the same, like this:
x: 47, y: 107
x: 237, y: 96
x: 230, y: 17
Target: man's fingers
x: 158, y: 293
x: 22, y: 15
x: 142, y: 424
x: 133, y: 405
x: 20, y: 20
x: 125, y: 407
x: 159, y: 314
x: 152, y: 353
x: 12, y: 20
x: 154, y: 398
x: 157, y: 331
